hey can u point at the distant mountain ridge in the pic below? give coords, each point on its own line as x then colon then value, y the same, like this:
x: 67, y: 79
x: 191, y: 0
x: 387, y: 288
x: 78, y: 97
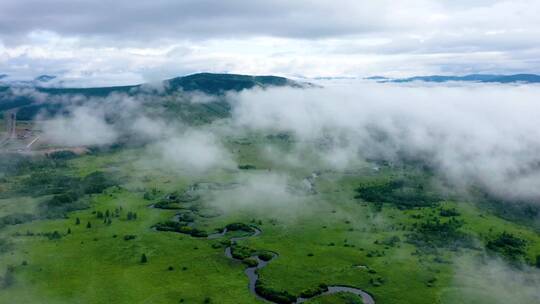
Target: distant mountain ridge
x: 487, y: 78
x: 44, y: 78
x: 217, y: 85
x: 39, y: 81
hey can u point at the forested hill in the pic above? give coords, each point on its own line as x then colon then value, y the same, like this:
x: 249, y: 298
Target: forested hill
x: 30, y: 100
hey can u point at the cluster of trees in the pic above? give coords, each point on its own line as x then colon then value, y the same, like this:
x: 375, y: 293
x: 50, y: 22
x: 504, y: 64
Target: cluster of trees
x: 265, y: 256
x: 131, y: 216
x: 175, y: 200
x: 62, y: 155
x: 185, y: 217
x: 69, y: 199
x: 180, y: 228
x: 151, y: 194
x: 402, y: 193
x: 15, y: 219
x: 448, y: 212
x: 17, y: 164
x: 276, y: 296
x: 509, y: 246
x: 239, y: 227
x: 250, y: 262
x: 311, y: 292
x: 241, y: 252
x: 520, y: 211
x: 434, y: 233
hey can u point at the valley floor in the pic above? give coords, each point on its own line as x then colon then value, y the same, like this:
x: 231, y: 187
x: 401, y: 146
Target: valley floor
x: 308, y: 216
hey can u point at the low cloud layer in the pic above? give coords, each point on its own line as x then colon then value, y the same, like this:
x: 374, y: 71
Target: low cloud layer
x: 482, y: 134
x: 491, y: 281
x: 82, y: 127
x: 474, y: 134
x: 193, y: 151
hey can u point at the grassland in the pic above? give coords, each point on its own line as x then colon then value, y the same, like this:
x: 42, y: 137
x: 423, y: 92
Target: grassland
x: 328, y: 236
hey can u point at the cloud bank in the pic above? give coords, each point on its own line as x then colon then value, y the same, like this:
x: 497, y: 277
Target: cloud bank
x: 471, y: 134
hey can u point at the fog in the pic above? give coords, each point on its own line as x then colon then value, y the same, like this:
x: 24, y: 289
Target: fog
x: 83, y: 126
x: 192, y: 151
x: 491, y: 280
x: 482, y: 134
x: 471, y: 134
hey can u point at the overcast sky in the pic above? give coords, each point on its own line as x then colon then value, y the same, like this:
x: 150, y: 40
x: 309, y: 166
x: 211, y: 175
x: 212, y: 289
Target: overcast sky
x: 126, y: 41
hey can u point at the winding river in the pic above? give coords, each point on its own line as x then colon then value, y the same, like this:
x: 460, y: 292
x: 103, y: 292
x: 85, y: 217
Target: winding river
x: 253, y: 276
x: 252, y: 272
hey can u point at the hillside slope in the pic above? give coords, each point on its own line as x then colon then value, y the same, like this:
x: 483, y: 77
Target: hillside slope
x: 31, y: 101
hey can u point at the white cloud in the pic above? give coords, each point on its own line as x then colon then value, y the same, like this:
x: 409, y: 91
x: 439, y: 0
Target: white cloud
x: 83, y: 126
x: 90, y: 45
x: 483, y: 134
x: 195, y: 151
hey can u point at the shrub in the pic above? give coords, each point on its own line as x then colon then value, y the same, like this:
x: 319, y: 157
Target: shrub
x: 311, y: 292
x: 250, y: 262
x: 265, y: 256
x: 239, y: 227
x: 241, y: 252
x: 281, y: 297
x: 376, y: 281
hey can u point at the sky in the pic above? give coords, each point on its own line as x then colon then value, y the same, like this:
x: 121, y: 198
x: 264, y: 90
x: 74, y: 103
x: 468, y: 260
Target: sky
x: 95, y: 42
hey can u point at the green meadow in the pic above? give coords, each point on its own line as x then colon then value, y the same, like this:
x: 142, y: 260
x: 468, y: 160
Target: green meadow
x: 401, y: 248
